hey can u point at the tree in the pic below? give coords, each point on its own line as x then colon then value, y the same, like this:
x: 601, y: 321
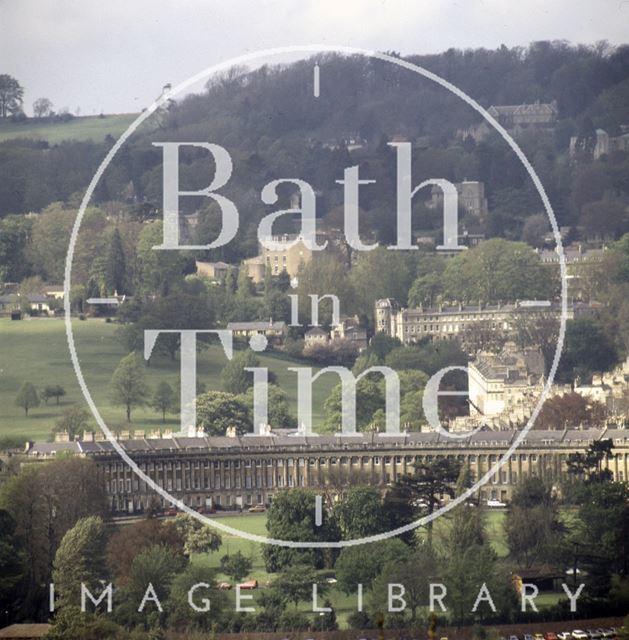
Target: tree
x: 571, y: 410
x: 482, y: 335
x: 49, y: 241
x: 234, y: 378
x: 540, y: 329
x: 128, y: 384
x: 380, y: 274
x: 180, y: 613
x: 428, y: 484
x: 412, y: 572
x: 428, y: 358
x: 361, y: 564
x: 178, y: 310
x: 158, y: 272
x: 163, y: 399
x: 11, y: 95
x: 532, y: 524
x: 73, y: 421
x: 45, y: 501
x: 127, y: 542
x: 236, y: 566
x: 589, y: 465
x: 53, y: 391
x: 291, y: 516
x: 12, y: 566
x: 80, y: 559
x: 602, y: 534
x: 197, y: 537
x: 278, y: 409
x: 42, y: 108
x: 369, y: 398
x: 604, y: 219
x: 217, y: 411
x: 535, y: 229
x: 360, y: 513
x: 115, y: 265
x: 498, y: 270
x: 295, y: 582
x: 586, y: 349
x: 157, y: 566
x: 27, y: 397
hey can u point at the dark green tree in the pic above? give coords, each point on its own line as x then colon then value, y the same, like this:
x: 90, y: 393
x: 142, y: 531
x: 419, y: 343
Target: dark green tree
x: 236, y: 566
x: 291, y: 516
x: 115, y: 265
x: 428, y: 485
x: 360, y: 513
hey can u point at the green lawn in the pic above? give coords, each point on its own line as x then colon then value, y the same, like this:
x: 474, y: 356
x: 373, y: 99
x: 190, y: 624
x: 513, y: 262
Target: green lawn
x: 36, y: 350
x: 344, y: 604
x: 84, y: 128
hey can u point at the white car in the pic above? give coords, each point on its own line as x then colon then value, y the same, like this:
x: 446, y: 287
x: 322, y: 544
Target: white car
x: 579, y: 634
x: 496, y: 504
x: 564, y: 635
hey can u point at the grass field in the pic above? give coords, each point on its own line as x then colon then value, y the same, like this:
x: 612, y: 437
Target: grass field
x: 84, y: 128
x: 344, y: 604
x: 36, y: 350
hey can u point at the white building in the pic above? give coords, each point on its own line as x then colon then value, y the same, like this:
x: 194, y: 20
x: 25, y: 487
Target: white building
x: 504, y: 388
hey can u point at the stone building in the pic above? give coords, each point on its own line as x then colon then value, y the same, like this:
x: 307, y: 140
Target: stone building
x: 471, y: 195
x: 603, y: 143
x: 444, y: 322
x: 537, y: 114
x: 289, y: 256
x: 506, y: 386
x: 235, y: 472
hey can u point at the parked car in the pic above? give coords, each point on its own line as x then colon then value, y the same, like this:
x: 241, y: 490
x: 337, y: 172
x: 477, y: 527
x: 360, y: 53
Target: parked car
x: 224, y: 586
x: 564, y: 635
x: 609, y: 633
x: 538, y: 636
x: 550, y: 635
x: 514, y: 638
x: 579, y: 634
x: 528, y: 636
x: 249, y: 584
x: 496, y: 504
x: 593, y: 634
x: 171, y: 511
x: 258, y: 508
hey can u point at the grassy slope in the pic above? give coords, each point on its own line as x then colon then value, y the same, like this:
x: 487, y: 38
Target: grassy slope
x: 84, y: 128
x: 36, y: 351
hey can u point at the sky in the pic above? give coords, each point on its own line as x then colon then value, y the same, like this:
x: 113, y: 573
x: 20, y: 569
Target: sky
x: 114, y: 56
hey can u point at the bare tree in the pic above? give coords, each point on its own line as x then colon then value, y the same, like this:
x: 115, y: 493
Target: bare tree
x: 42, y: 108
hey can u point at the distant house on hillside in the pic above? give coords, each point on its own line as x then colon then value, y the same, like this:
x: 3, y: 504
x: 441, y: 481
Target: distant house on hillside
x: 350, y: 329
x: 513, y: 118
x: 274, y: 331
x: 212, y: 270
x: 13, y: 301
x: 316, y: 335
x: 524, y: 115
x: 603, y: 143
x: 288, y: 255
